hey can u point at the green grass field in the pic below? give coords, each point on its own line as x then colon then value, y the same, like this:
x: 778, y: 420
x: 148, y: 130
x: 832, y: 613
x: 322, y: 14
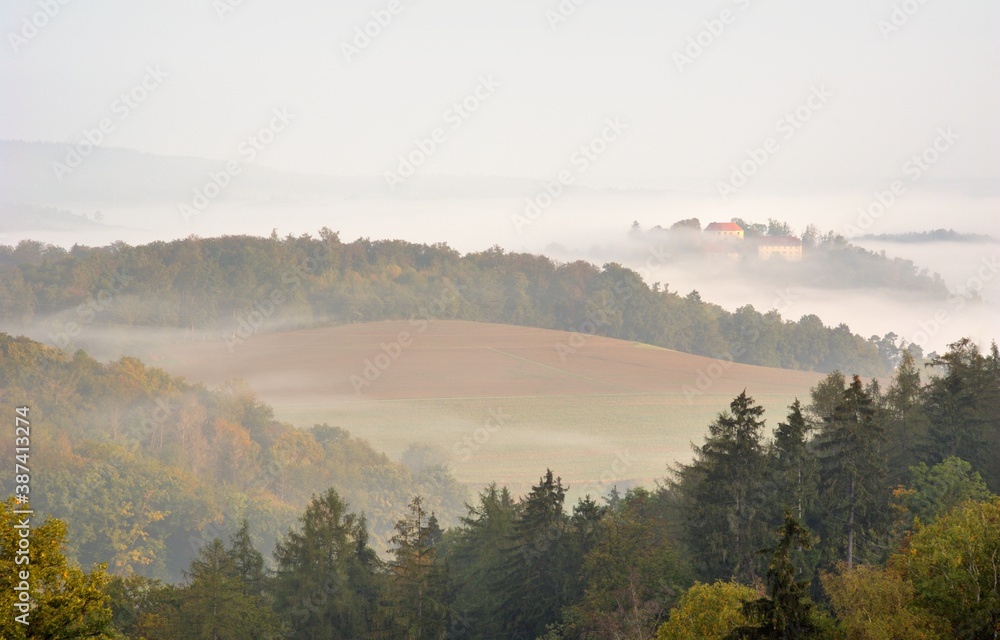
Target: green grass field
x: 592, y: 441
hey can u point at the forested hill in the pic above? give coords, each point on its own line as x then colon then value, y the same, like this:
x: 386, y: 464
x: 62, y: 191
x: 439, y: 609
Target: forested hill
x: 870, y: 513
x: 235, y: 286
x: 937, y: 235
x: 146, y: 469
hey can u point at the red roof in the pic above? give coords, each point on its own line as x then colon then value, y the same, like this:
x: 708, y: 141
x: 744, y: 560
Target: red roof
x: 779, y: 241
x: 723, y: 226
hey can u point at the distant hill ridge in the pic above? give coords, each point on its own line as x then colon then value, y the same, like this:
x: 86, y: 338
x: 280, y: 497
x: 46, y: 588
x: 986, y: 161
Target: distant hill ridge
x: 936, y: 235
x: 237, y: 286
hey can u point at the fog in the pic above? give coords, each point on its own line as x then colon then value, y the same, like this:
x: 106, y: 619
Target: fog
x: 548, y: 128
x: 587, y: 224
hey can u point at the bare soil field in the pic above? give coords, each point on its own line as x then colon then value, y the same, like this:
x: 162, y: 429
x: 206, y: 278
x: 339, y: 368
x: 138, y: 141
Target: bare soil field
x: 495, y: 402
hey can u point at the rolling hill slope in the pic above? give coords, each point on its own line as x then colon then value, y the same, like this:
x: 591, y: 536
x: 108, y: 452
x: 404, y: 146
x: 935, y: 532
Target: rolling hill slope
x: 494, y: 402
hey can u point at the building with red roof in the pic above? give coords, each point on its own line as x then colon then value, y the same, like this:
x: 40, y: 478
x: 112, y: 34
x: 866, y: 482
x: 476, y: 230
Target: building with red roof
x: 729, y: 230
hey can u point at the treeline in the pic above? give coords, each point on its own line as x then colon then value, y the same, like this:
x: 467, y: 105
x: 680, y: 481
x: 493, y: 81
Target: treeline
x: 145, y: 468
x: 227, y: 288
x: 869, y: 514
x: 937, y: 235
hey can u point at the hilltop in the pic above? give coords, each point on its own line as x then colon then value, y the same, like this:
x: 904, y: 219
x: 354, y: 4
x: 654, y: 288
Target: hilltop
x: 239, y: 286
x: 490, y: 401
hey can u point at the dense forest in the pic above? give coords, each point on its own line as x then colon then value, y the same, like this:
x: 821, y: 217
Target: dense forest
x: 232, y: 287
x: 146, y: 468
x: 870, y: 512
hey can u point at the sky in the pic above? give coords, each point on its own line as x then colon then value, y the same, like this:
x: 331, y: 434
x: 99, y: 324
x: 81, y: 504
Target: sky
x: 860, y: 116
x: 696, y: 84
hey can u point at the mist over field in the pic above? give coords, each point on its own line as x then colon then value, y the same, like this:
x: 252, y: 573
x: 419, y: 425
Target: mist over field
x: 583, y: 223
x: 451, y: 320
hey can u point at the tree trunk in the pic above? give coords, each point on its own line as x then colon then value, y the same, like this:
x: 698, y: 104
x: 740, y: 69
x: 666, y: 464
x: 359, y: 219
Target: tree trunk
x: 850, y: 531
x: 799, y: 492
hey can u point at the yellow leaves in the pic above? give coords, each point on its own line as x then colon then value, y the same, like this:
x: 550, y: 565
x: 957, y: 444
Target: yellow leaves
x: 873, y: 603
x: 706, y: 612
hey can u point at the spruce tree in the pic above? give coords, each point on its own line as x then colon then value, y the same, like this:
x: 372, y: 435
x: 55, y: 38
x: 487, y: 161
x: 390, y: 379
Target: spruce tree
x: 906, y: 427
x: 962, y: 406
x: 786, y: 612
x: 794, y: 464
x: 326, y: 579
x: 476, y: 555
x: 215, y: 603
x: 724, y: 500
x: 854, y: 486
x: 534, y: 588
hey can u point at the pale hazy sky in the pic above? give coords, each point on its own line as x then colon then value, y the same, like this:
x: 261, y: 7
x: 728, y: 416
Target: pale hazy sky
x: 693, y: 89
x: 887, y: 93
